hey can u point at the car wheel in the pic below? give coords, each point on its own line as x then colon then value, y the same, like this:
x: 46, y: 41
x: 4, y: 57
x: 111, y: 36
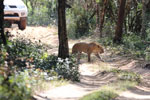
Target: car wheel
x: 7, y: 24
x: 22, y: 23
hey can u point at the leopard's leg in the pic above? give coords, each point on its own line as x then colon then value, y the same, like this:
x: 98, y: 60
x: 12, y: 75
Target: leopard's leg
x: 89, y: 57
x: 79, y: 56
x: 98, y: 56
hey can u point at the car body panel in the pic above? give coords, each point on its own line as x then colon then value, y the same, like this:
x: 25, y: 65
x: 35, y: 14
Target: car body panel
x: 14, y: 10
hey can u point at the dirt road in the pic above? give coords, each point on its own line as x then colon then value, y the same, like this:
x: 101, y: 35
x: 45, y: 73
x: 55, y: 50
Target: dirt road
x: 91, y: 79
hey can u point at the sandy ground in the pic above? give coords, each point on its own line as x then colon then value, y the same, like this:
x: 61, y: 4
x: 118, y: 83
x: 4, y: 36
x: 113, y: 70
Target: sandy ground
x: 91, y: 79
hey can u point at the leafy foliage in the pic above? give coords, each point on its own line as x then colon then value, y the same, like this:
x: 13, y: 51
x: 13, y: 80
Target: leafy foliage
x: 147, y: 53
x: 79, y: 22
x: 25, y: 66
x: 23, y: 52
x: 42, y: 12
x: 68, y: 68
x: 14, y: 88
x: 105, y: 94
x: 13, y: 85
x: 125, y: 75
x: 131, y: 44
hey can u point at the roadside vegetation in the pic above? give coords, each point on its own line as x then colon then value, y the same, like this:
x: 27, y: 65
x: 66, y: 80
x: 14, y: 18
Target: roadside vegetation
x: 132, y: 46
x: 27, y: 68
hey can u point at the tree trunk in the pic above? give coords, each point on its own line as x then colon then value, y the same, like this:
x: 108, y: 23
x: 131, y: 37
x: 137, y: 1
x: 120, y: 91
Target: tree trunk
x: 102, y: 17
x: 2, y: 21
x: 145, y: 17
x: 98, y: 17
x: 118, y: 31
x: 62, y: 33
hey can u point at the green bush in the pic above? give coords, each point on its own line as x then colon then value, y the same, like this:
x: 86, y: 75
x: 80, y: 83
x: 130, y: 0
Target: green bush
x: 12, y: 84
x: 43, y: 13
x: 107, y: 41
x: 103, y: 94
x: 23, y: 53
x: 3, y: 55
x: 65, y: 68
x: 26, y: 54
x: 14, y: 88
x: 28, y: 65
x: 135, y: 44
x: 25, y: 48
x: 79, y: 25
x: 21, y: 84
x: 127, y: 76
x: 47, y: 63
x: 68, y: 68
x: 147, y: 54
x: 131, y: 44
x: 79, y: 22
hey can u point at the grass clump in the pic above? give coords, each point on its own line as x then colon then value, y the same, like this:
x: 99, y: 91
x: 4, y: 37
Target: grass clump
x: 110, y: 91
x: 105, y: 93
x: 127, y: 76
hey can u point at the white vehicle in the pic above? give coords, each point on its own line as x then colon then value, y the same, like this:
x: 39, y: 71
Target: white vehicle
x: 15, y: 11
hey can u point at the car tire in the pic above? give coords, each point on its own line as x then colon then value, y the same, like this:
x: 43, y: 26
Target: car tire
x: 7, y: 24
x: 22, y: 23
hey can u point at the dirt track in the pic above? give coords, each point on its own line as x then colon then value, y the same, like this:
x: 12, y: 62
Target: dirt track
x: 91, y: 79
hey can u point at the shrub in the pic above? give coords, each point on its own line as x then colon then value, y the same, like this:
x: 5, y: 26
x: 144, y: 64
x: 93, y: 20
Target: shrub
x: 131, y: 44
x: 24, y: 53
x: 37, y: 79
x: 106, y: 93
x: 14, y: 88
x: 21, y: 84
x: 79, y: 22
x: 46, y: 63
x: 147, y: 54
x: 127, y: 76
x: 133, y: 41
x: 135, y: 44
x: 25, y: 48
x: 107, y: 41
x: 12, y: 85
x: 68, y: 68
x: 28, y: 66
x: 65, y: 68
x: 43, y: 13
x: 3, y: 55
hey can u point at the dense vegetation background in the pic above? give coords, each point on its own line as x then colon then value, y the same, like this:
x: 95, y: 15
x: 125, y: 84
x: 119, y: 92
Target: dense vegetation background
x: 85, y: 17
x: 100, y: 18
